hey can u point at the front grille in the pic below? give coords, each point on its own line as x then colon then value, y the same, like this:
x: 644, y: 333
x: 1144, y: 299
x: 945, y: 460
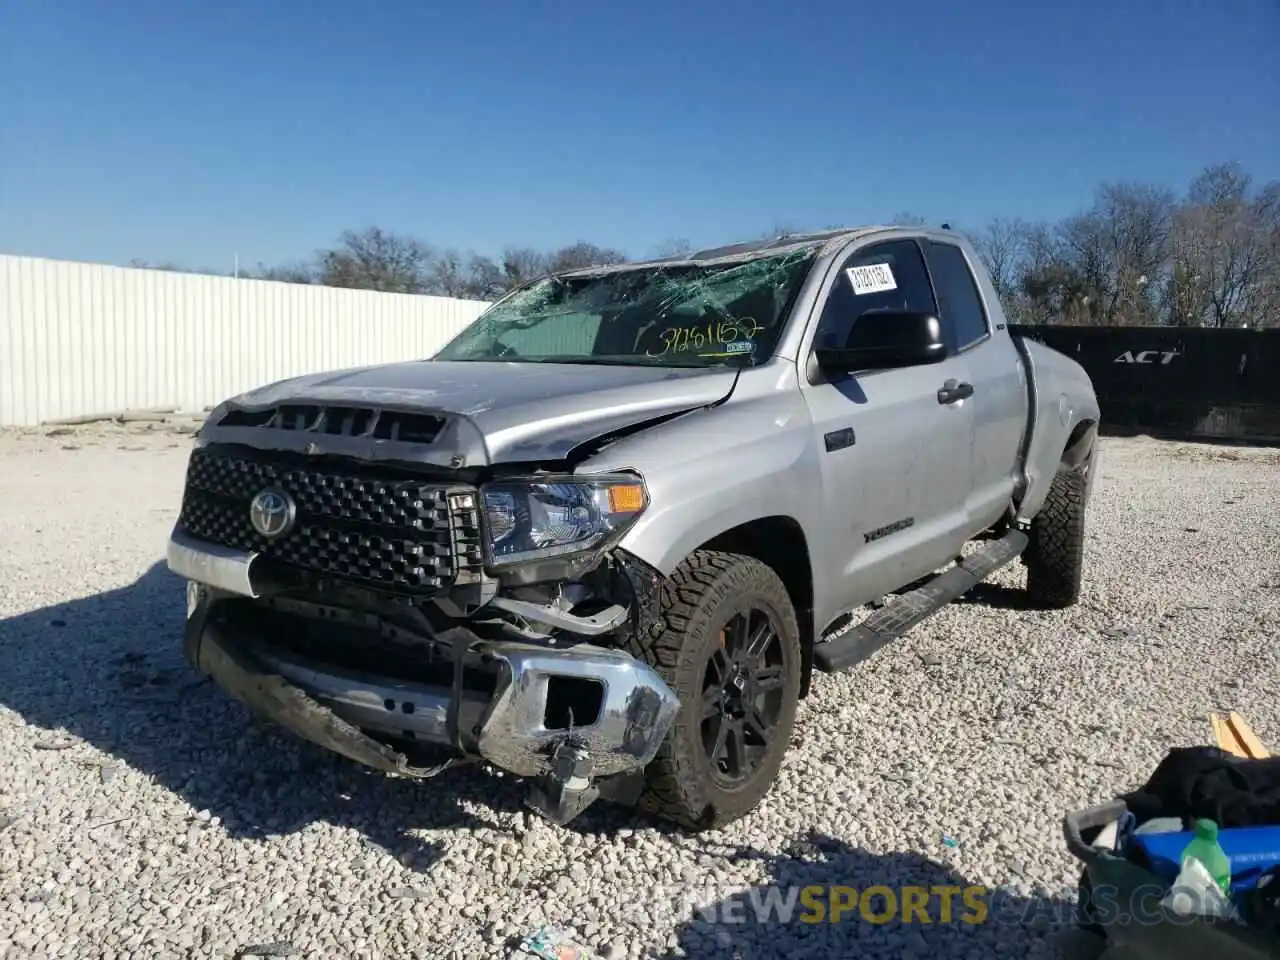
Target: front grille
x: 397, y: 534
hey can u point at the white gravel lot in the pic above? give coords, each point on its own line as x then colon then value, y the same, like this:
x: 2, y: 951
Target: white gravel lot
x: 144, y: 814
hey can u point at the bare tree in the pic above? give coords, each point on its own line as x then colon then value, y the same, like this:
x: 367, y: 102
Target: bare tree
x: 1002, y: 246
x: 167, y: 265
x: 1050, y: 288
x: 1266, y: 294
x: 1224, y: 251
x: 486, y: 279
x: 285, y: 273
x: 1137, y: 256
x: 447, y: 275
x: 375, y: 259
x: 1119, y: 248
x: 522, y: 264
x: 582, y: 254
x: 1134, y: 256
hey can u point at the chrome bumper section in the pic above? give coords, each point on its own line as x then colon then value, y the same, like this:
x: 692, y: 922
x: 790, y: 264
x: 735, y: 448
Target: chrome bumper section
x: 348, y: 711
x: 636, y: 710
x: 215, y: 566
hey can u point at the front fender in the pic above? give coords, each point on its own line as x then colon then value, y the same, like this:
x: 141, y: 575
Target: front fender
x: 715, y: 469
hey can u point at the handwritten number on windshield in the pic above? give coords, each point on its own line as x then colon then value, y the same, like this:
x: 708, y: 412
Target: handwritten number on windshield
x: 687, y: 339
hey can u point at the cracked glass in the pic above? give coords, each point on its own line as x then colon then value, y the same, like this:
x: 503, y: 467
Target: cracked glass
x: 671, y: 314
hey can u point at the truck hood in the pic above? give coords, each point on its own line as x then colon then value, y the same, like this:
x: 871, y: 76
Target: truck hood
x: 491, y: 412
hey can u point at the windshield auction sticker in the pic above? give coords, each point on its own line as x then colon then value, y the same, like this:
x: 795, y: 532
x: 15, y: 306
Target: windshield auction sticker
x: 871, y: 278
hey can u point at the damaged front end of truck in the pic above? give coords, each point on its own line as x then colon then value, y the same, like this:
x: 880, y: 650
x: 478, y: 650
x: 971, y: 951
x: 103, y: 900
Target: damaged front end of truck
x: 370, y: 609
x: 354, y: 607
x: 410, y: 565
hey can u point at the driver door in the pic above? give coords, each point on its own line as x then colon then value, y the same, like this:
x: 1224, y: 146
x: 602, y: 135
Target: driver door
x: 895, y: 457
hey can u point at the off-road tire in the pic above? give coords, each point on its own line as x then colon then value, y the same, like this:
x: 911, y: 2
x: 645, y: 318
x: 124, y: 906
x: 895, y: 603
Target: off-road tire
x: 703, y: 593
x: 1055, y: 553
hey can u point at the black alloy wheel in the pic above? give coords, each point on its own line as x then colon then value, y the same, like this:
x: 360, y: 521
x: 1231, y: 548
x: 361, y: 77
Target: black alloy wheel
x: 729, y: 646
x: 742, y: 696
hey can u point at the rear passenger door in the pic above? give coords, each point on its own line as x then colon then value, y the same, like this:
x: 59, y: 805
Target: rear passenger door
x: 998, y: 404
x: 890, y: 450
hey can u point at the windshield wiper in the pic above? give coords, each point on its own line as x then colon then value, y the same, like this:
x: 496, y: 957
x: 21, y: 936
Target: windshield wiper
x: 625, y: 360
x: 620, y: 360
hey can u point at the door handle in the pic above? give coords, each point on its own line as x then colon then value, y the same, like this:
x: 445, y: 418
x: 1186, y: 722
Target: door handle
x: 954, y: 390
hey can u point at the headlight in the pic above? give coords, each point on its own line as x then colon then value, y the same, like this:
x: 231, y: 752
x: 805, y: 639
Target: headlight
x: 539, y: 519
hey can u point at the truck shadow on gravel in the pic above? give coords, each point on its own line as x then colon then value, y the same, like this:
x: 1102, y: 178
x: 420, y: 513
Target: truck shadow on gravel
x: 820, y: 877
x: 998, y: 597
x: 108, y: 670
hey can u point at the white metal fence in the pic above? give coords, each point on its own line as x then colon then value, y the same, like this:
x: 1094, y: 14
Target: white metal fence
x: 78, y: 339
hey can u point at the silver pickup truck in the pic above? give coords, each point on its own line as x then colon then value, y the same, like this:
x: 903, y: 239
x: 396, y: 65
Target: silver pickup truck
x: 605, y: 536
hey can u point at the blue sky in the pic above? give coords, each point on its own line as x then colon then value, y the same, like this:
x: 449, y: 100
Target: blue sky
x: 192, y: 132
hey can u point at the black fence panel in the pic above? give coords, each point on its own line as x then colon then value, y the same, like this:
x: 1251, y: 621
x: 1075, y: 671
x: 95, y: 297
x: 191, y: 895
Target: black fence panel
x: 1178, y: 381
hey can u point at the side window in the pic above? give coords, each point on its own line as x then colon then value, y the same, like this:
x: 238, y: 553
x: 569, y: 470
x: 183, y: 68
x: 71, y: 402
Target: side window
x: 958, y: 297
x: 887, y: 276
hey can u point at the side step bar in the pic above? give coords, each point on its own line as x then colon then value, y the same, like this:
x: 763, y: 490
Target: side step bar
x: 847, y: 647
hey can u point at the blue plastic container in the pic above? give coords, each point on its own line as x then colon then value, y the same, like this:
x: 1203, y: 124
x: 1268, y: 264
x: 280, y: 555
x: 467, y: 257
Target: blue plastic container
x: 1251, y: 850
x: 1128, y: 914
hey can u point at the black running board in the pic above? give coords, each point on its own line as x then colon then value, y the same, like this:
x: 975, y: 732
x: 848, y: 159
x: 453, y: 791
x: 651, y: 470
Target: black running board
x: 843, y: 650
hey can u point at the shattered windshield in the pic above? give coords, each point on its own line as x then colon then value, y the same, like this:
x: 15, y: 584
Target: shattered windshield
x: 667, y: 314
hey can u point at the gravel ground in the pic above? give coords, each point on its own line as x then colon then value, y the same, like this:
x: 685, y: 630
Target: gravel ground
x: 144, y: 814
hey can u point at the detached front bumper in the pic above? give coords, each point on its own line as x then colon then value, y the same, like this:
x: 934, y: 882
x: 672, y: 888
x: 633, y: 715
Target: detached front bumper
x: 575, y: 713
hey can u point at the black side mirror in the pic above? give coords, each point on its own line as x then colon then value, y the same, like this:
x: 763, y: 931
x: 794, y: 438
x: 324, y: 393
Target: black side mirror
x: 886, y: 339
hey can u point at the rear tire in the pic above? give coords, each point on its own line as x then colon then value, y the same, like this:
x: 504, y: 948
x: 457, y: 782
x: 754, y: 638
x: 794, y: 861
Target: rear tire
x: 737, y: 698
x: 1055, y: 554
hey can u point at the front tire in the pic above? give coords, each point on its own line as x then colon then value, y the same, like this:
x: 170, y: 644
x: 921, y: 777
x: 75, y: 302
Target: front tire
x: 1055, y: 554
x: 729, y: 646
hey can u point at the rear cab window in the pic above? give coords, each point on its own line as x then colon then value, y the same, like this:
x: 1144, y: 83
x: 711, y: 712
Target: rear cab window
x: 960, y: 304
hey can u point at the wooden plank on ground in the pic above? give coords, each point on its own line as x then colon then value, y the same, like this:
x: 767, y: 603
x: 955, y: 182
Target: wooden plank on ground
x: 1248, y: 739
x: 1226, y: 737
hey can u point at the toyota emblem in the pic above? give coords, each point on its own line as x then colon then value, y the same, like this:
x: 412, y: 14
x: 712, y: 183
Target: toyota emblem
x: 272, y: 513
